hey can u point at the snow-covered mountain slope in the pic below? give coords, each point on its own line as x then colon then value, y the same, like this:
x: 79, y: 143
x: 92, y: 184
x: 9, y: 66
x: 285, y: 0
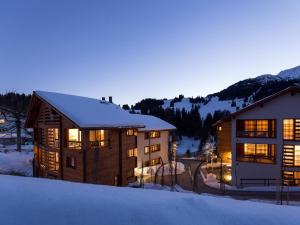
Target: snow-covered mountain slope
x: 293, y: 73
x: 42, y: 201
x: 211, y: 105
x: 237, y: 95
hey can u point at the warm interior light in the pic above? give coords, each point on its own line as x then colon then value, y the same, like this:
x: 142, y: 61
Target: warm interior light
x: 2, y: 121
x: 227, y: 177
x: 74, y: 135
x: 297, y: 155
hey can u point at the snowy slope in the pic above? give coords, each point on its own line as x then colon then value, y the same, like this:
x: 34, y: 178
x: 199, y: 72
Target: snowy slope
x: 293, y: 73
x: 187, y: 143
x: 213, y: 104
x: 32, y: 201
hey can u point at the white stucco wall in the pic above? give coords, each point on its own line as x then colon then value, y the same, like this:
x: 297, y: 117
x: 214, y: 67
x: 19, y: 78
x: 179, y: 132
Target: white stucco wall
x: 163, y: 140
x: 282, y: 107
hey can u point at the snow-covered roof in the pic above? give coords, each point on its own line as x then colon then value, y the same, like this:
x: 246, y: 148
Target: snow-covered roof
x: 153, y: 123
x: 90, y: 113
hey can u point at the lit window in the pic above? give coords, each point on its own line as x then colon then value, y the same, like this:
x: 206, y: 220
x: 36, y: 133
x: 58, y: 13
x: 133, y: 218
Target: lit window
x: 250, y: 125
x: 153, y: 162
x: 74, y: 138
x: 152, y: 148
x: 288, y: 129
x: 74, y: 135
x: 249, y: 149
x: 219, y: 128
x: 256, y: 128
x: 262, y: 125
x: 297, y: 155
x: 131, y: 132
x: 98, y: 138
x: 132, y: 152
x: 53, y: 137
x: 152, y: 134
x: 262, y: 149
x: 2, y: 121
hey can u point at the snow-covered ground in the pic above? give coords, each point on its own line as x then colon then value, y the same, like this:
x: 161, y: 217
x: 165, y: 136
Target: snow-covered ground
x: 187, y: 143
x: 40, y: 201
x: 167, y: 170
x: 14, y: 162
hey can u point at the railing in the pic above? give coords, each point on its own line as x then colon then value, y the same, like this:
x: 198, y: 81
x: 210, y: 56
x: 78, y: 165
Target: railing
x: 99, y: 144
x: 258, y: 181
x: 291, y: 181
x: 254, y: 134
x: 74, y: 144
x: 256, y: 158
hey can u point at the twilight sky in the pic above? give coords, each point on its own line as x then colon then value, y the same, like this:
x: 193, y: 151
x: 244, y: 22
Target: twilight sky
x: 133, y: 49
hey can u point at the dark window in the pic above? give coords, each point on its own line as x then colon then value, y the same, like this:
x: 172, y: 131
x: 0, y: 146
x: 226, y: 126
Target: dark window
x: 130, y: 173
x: 71, y: 162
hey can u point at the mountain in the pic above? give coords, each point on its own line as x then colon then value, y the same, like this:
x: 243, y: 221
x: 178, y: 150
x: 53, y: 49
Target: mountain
x: 217, y: 105
x: 233, y: 97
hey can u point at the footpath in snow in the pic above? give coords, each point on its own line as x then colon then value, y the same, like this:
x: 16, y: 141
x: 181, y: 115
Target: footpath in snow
x: 33, y: 201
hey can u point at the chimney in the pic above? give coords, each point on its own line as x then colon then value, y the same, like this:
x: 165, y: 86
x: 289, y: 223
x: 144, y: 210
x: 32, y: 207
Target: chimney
x: 103, y: 98
x: 110, y: 99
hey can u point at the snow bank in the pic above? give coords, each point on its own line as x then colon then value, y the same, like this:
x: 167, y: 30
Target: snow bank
x: 39, y: 201
x: 12, y: 161
x: 16, y: 162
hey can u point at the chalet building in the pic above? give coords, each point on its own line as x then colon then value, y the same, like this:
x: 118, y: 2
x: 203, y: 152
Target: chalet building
x: 155, y: 142
x: 82, y: 139
x: 261, y: 142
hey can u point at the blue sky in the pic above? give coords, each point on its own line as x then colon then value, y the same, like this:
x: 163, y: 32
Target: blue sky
x: 133, y: 49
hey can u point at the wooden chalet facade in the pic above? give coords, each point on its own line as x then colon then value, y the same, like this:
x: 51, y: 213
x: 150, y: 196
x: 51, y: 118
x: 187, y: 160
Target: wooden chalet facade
x: 68, y: 148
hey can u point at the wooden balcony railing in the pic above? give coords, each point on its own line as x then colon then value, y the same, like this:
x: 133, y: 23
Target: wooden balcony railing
x: 74, y: 144
x: 99, y: 144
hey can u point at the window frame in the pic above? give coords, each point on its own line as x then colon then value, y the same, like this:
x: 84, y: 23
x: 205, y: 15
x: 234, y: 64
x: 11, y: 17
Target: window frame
x: 78, y: 143
x: 241, y: 131
x: 149, y: 136
x: 104, y: 140
x: 151, y: 148
x: 295, y: 128
x: 69, y: 160
x: 270, y: 158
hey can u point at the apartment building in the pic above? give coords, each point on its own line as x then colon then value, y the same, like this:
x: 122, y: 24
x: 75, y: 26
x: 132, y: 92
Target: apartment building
x: 261, y: 142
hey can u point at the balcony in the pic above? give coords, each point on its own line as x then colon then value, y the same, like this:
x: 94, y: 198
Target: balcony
x: 74, y: 144
x: 99, y: 144
x: 257, y: 159
x: 255, y: 134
